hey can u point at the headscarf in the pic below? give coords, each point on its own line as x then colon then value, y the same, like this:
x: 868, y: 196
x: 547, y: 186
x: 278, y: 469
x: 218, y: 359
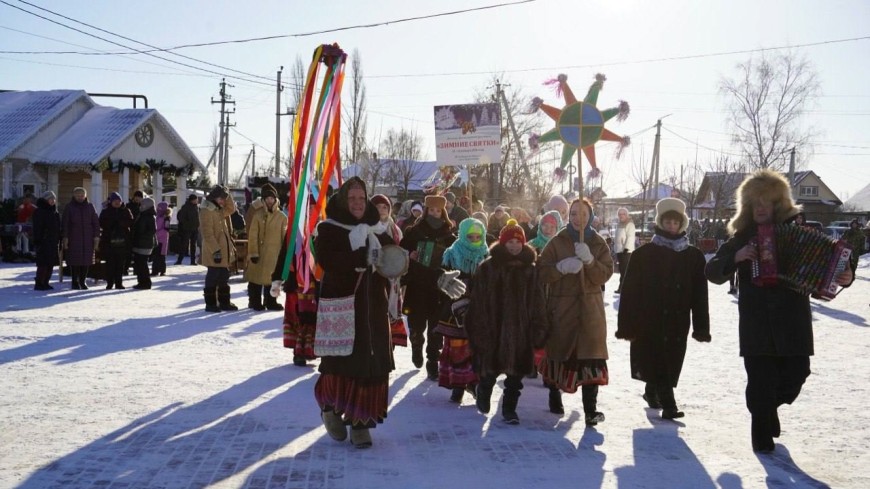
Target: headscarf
x: 588, y: 232
x: 539, y: 241
x: 463, y: 255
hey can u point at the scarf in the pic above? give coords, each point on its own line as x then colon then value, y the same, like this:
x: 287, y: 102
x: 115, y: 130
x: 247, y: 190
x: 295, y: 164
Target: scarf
x: 676, y: 242
x: 588, y: 232
x: 463, y: 255
x: 539, y: 241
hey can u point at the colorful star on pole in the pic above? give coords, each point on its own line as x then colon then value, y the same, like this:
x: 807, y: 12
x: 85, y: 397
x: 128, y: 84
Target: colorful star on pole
x: 579, y: 124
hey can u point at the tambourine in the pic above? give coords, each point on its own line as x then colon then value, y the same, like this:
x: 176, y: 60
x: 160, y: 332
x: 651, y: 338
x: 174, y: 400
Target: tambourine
x: 392, y: 262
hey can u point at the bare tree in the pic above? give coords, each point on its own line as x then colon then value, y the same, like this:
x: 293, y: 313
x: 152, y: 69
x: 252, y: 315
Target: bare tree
x: 766, y: 101
x: 687, y: 180
x: 402, y: 151
x: 355, y: 117
x: 640, y: 174
x: 723, y: 177
x: 298, y: 75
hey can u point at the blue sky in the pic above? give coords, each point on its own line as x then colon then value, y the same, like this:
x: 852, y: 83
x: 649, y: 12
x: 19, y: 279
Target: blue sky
x: 410, y: 67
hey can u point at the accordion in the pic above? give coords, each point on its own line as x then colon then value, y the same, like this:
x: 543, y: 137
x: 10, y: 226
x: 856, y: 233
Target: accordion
x: 800, y: 259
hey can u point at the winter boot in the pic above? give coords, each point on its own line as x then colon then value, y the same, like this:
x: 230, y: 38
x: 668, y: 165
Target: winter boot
x: 361, y: 437
x: 417, y: 355
x: 774, y: 424
x: 74, y: 277
x: 651, y: 397
x: 484, y: 394
x: 270, y: 302
x: 456, y: 395
x: 299, y: 361
x: 432, y: 370
x: 223, y: 295
x: 590, y: 403
x: 254, y: 300
x: 509, y: 406
x: 210, y: 296
x: 669, y: 404
x: 334, y: 425
x: 556, y: 406
x: 83, y: 274
x: 762, y: 439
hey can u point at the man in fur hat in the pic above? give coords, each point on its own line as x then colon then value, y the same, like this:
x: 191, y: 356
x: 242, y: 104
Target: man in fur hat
x: 218, y: 249
x: 776, y: 326
x: 265, y: 237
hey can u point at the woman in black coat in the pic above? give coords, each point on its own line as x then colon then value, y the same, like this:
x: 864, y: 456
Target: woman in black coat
x: 115, y: 223
x: 144, y: 241
x: 776, y: 326
x: 426, y: 240
x: 46, y: 239
x: 664, y: 291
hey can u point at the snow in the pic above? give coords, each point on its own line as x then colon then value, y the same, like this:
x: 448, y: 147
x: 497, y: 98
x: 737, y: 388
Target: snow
x: 861, y: 200
x: 143, y: 389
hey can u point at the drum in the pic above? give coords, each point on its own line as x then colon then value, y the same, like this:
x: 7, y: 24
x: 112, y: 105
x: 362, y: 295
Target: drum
x: 392, y: 262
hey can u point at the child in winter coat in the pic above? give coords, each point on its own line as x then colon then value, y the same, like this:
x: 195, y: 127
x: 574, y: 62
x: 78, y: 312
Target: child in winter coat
x: 158, y: 259
x: 144, y: 241
x: 506, y: 318
x: 656, y: 318
x: 455, y: 364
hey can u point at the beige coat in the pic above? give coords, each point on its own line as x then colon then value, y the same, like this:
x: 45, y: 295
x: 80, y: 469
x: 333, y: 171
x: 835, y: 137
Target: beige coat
x: 575, y: 303
x: 264, y: 241
x: 215, y: 233
x: 256, y: 205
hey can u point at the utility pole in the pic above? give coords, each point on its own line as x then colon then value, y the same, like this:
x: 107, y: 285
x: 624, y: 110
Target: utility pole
x: 791, y: 164
x: 222, y: 140
x: 494, y: 169
x: 227, y: 126
x: 278, y: 89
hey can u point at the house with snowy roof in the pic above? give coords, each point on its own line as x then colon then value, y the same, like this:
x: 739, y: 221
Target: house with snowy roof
x: 61, y: 139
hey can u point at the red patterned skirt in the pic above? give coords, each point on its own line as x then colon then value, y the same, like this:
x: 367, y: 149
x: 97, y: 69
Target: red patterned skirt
x: 360, y: 402
x: 300, y: 318
x: 568, y: 375
x: 454, y: 365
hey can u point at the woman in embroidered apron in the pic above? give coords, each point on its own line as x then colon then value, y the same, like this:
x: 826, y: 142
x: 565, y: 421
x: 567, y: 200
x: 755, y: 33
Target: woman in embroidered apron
x: 455, y: 369
x: 353, y: 388
x: 575, y: 264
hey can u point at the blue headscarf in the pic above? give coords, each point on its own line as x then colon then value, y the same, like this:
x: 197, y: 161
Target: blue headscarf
x: 588, y: 232
x: 463, y: 255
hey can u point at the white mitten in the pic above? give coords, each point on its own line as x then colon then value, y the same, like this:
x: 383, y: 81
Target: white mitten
x: 450, y: 284
x: 583, y: 252
x: 275, y: 291
x: 569, y: 265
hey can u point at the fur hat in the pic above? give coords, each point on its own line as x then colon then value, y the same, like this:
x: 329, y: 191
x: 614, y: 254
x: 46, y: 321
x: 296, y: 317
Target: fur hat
x: 80, y: 190
x: 268, y: 191
x: 115, y: 196
x: 49, y: 195
x: 510, y: 231
x: 766, y: 185
x: 381, y: 199
x: 435, y: 202
x: 670, y: 204
x: 147, y: 203
x: 218, y: 192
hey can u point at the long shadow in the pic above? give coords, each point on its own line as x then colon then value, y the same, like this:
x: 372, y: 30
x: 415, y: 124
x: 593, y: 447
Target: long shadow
x: 128, y: 334
x: 853, y: 318
x: 660, y: 455
x: 782, y: 471
x: 191, y: 446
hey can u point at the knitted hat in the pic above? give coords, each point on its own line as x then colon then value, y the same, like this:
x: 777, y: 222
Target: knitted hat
x: 451, y: 197
x: 80, y: 190
x: 218, y: 192
x: 268, y: 191
x: 670, y: 204
x: 49, y: 195
x: 381, y: 199
x: 554, y: 218
x: 510, y: 231
x: 138, y: 193
x: 147, y: 203
x: 417, y: 206
x: 115, y: 196
x: 435, y: 202
x: 192, y: 197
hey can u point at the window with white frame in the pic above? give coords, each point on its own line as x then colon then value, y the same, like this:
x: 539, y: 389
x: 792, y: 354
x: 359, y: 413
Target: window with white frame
x: 809, y: 191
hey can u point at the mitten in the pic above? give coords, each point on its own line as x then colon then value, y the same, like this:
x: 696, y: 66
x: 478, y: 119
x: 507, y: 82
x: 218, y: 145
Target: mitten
x: 569, y: 265
x: 275, y: 291
x: 701, y: 336
x: 255, y: 259
x: 583, y: 252
x: 216, y: 256
x: 450, y: 284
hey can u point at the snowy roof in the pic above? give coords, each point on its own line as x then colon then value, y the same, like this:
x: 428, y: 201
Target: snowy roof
x: 861, y: 200
x: 24, y: 114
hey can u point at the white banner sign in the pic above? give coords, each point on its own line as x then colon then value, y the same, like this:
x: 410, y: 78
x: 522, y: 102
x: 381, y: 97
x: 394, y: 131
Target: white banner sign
x: 467, y: 134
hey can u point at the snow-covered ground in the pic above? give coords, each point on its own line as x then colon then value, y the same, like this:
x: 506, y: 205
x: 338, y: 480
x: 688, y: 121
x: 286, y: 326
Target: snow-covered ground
x: 142, y: 389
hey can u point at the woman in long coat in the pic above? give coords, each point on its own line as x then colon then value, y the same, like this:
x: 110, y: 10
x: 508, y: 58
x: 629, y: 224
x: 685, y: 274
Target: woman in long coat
x: 46, y: 238
x: 575, y: 264
x: 81, y: 236
x: 663, y: 292
x: 265, y: 237
x: 353, y: 390
x: 115, y: 222
x: 144, y: 239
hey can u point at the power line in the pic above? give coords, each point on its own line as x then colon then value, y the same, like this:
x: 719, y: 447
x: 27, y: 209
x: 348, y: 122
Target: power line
x: 253, y: 142
x: 284, y: 36
x: 700, y: 145
x: 128, y: 47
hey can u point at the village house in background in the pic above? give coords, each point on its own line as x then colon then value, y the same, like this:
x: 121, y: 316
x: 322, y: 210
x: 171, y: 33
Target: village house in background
x: 61, y: 139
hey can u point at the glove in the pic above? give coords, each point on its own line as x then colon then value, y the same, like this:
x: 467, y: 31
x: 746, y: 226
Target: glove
x: 450, y: 284
x: 622, y: 336
x: 255, y: 259
x: 275, y: 291
x: 216, y: 256
x: 583, y: 252
x: 569, y: 265
x: 701, y: 337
